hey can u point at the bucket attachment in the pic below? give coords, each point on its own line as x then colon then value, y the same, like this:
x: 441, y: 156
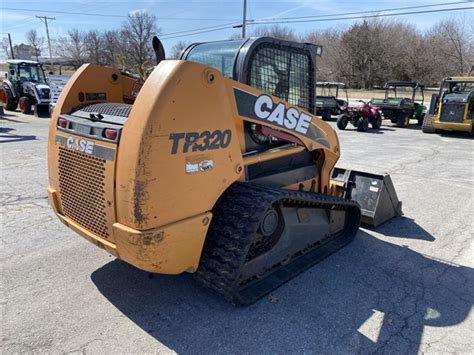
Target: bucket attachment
x: 42, y: 110
x: 374, y: 193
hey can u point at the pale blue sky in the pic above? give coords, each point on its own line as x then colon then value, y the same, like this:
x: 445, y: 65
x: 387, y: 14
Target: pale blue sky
x: 174, y: 16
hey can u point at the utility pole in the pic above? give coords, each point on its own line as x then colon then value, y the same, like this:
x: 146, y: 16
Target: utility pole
x: 45, y: 20
x: 244, y: 19
x: 11, y: 47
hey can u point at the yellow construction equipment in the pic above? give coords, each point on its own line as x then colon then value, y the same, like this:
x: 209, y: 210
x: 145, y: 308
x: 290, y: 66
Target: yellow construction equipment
x: 452, y: 109
x: 215, y: 165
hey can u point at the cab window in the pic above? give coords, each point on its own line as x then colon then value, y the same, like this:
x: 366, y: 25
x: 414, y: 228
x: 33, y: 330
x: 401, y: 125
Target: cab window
x: 285, y: 73
x: 219, y: 55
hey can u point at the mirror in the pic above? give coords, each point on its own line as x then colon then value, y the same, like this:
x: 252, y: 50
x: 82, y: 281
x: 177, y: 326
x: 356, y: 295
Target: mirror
x: 12, y: 72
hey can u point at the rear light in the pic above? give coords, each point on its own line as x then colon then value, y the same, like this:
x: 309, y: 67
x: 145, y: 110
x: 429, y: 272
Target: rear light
x: 110, y: 134
x: 62, y: 122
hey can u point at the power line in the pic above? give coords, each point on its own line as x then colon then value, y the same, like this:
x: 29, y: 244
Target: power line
x: 371, y: 11
x: 197, y: 32
x: 109, y: 15
x: 361, y: 17
x: 253, y: 22
x: 216, y: 27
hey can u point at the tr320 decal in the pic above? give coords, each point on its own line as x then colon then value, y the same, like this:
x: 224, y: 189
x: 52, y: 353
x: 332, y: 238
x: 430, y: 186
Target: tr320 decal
x: 200, y: 141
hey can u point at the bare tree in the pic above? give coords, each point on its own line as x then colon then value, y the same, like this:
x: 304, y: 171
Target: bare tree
x: 178, y: 48
x: 35, y: 41
x: 330, y: 65
x: 93, y: 46
x: 276, y: 31
x: 72, y: 47
x: 454, y: 42
x: 113, y: 52
x: 6, y: 48
x: 137, y: 33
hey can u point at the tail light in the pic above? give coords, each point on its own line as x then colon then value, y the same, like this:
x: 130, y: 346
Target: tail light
x: 110, y: 134
x: 62, y: 122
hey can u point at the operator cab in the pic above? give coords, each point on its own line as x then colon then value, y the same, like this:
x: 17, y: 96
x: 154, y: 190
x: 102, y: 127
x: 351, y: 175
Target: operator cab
x: 277, y: 67
x: 280, y: 68
x: 26, y: 70
x: 456, y: 90
x: 455, y: 94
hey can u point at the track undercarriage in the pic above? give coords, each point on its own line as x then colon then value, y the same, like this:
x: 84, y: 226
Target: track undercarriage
x: 261, y: 237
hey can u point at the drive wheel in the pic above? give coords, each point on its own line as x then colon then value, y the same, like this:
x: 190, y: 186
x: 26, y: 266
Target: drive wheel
x: 402, y: 120
x: 326, y: 115
x: 9, y: 102
x: 25, y: 105
x: 269, y: 232
x: 377, y: 122
x: 342, y: 121
x: 363, y: 124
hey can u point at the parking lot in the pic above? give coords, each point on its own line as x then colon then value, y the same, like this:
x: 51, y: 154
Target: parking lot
x: 404, y: 287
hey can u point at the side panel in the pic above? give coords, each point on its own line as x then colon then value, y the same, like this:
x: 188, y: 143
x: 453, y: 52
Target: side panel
x: 181, y: 146
x: 179, y: 149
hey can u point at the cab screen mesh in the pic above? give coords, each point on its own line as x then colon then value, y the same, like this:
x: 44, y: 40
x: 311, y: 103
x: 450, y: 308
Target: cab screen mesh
x: 286, y: 73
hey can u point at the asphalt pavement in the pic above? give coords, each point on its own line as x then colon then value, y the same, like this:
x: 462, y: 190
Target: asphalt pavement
x: 404, y: 287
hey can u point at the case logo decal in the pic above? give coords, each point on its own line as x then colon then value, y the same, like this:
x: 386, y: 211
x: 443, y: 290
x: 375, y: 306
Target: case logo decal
x: 290, y: 118
x: 263, y: 108
x: 81, y: 145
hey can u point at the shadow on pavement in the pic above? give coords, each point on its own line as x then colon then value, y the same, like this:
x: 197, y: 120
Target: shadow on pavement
x: 371, y: 130
x: 4, y: 117
x: 403, y: 227
x: 460, y: 135
x: 7, y: 137
x: 370, y: 296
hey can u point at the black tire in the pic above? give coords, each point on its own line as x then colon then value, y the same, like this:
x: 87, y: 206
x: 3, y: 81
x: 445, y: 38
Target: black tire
x: 421, y: 119
x: 10, y: 103
x: 342, y: 121
x: 326, y: 115
x: 402, y: 120
x: 377, y: 122
x: 363, y: 124
x: 25, y: 105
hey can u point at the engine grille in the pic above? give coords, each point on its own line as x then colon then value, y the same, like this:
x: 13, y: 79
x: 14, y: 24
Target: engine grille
x: 114, y: 109
x: 82, y: 190
x: 452, y: 112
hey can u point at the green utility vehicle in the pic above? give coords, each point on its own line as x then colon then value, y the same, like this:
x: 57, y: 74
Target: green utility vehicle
x: 400, y: 105
x: 328, y: 99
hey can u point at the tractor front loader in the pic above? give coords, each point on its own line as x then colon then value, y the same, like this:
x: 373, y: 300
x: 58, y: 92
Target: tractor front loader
x: 26, y: 87
x: 216, y: 166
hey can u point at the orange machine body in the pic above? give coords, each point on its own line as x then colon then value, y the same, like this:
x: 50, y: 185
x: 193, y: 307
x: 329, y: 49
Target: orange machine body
x: 147, y: 197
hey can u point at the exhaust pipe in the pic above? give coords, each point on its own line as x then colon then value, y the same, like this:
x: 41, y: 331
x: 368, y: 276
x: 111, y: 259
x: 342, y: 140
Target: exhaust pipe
x: 159, y: 50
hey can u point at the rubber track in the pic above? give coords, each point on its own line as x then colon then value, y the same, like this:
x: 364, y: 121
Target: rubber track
x: 427, y: 126
x: 236, y: 217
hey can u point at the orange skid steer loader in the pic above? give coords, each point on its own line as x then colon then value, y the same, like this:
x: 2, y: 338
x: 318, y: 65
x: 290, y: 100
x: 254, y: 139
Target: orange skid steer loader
x: 215, y: 165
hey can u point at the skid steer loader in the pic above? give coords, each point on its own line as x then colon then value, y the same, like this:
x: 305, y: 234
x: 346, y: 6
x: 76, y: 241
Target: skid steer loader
x: 452, y: 108
x: 216, y: 165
